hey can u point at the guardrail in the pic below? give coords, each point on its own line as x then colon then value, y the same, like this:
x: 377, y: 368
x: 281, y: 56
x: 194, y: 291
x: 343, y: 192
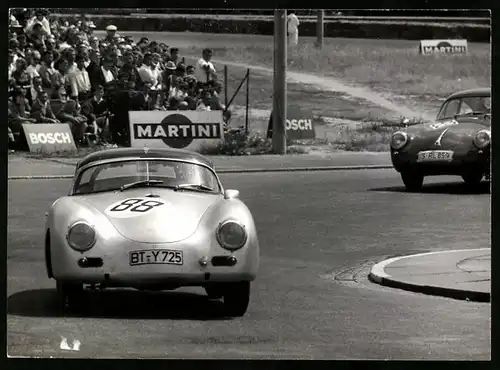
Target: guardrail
x: 340, y: 27
x: 336, y: 18
x: 422, y: 19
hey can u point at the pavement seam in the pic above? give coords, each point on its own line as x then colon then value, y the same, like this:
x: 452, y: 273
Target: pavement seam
x: 248, y: 170
x: 379, y: 276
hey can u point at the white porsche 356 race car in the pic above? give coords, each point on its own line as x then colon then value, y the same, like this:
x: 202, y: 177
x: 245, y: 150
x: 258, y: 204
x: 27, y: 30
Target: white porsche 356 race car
x: 151, y: 220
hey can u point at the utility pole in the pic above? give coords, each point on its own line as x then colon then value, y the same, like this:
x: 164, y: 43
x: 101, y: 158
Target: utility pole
x: 320, y: 27
x: 279, y: 95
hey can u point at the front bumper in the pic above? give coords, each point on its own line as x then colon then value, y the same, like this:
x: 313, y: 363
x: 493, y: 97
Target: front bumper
x: 472, y: 160
x: 110, y: 265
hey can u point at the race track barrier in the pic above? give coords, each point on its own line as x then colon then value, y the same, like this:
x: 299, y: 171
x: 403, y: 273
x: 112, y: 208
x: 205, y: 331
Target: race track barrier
x: 336, y: 27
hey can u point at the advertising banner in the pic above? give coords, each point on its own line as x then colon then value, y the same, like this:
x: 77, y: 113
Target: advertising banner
x: 49, y: 137
x: 458, y: 46
x: 190, y: 130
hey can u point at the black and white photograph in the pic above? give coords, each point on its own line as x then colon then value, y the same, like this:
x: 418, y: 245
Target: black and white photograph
x: 271, y: 184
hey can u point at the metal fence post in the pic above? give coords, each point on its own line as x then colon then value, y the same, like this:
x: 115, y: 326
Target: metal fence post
x: 279, y: 96
x: 248, y: 100
x: 225, y: 86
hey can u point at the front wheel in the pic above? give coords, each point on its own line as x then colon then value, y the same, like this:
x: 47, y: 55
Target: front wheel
x: 413, y: 181
x: 472, y: 179
x: 69, y: 296
x: 237, y: 298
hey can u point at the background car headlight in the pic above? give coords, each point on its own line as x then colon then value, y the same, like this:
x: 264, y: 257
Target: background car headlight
x: 231, y: 235
x: 81, y: 236
x: 399, y: 140
x: 482, y: 139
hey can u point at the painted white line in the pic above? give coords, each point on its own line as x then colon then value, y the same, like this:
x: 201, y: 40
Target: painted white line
x: 378, y: 271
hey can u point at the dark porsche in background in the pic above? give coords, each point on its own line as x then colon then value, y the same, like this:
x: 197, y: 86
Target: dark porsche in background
x: 457, y: 143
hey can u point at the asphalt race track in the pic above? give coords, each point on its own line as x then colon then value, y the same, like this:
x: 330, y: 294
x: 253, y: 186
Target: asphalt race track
x: 320, y: 233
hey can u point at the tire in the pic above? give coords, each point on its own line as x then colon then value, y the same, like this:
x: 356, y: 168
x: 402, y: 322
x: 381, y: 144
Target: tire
x: 214, y: 292
x: 237, y: 298
x: 69, y: 296
x: 413, y: 181
x: 472, y: 179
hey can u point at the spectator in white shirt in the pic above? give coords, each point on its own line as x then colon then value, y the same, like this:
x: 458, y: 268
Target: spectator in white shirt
x: 70, y: 56
x: 39, y: 18
x: 83, y: 51
x: 150, y: 79
x: 107, y: 74
x: 94, y: 43
x: 205, y: 70
x: 293, y: 28
x: 204, y: 104
x: 79, y: 81
x: 146, y: 72
x: 36, y: 88
x: 155, y: 66
x: 178, y: 89
x: 33, y: 59
x: 12, y: 62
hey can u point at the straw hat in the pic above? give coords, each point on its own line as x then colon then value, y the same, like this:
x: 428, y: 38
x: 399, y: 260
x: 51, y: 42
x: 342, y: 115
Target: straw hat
x: 171, y: 65
x: 15, y: 24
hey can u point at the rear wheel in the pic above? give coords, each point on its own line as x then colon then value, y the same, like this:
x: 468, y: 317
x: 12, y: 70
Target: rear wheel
x: 413, y: 181
x: 237, y: 298
x: 472, y: 179
x: 69, y: 296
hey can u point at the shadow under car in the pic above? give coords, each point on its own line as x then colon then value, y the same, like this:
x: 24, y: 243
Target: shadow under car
x: 123, y: 303
x: 453, y: 188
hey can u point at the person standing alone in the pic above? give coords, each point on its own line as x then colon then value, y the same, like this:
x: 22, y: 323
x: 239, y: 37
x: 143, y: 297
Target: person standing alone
x: 293, y: 28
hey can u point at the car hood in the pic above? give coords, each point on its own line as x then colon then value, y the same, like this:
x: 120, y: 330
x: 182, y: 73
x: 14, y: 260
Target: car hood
x: 451, y: 133
x: 175, y: 217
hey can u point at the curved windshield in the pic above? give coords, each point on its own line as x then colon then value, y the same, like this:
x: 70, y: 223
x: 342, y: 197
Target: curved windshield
x: 466, y: 106
x: 142, y: 173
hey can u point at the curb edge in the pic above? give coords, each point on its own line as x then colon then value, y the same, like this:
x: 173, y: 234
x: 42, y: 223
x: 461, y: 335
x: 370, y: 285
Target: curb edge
x: 378, y: 275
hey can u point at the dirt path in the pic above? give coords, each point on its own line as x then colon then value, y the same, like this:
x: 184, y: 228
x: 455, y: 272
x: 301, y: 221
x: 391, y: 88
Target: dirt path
x: 331, y: 84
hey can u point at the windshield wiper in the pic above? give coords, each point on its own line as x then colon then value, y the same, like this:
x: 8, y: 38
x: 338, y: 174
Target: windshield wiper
x: 195, y: 187
x: 140, y: 183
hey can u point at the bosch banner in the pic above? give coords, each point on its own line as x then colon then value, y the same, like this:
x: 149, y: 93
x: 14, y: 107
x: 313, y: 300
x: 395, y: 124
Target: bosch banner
x: 299, y: 124
x: 49, y: 137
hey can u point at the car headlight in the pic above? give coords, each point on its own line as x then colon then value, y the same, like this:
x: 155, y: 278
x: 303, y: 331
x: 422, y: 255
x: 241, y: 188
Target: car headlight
x: 81, y: 236
x: 399, y: 140
x: 482, y: 139
x: 231, y: 235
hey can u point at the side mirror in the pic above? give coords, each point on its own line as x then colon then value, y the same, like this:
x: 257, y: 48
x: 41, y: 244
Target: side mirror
x: 231, y: 194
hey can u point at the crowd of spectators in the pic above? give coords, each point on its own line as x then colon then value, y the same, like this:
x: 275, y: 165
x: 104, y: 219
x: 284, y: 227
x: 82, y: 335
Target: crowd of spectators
x: 62, y: 73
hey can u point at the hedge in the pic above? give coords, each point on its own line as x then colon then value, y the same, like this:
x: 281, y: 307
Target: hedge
x: 333, y: 28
